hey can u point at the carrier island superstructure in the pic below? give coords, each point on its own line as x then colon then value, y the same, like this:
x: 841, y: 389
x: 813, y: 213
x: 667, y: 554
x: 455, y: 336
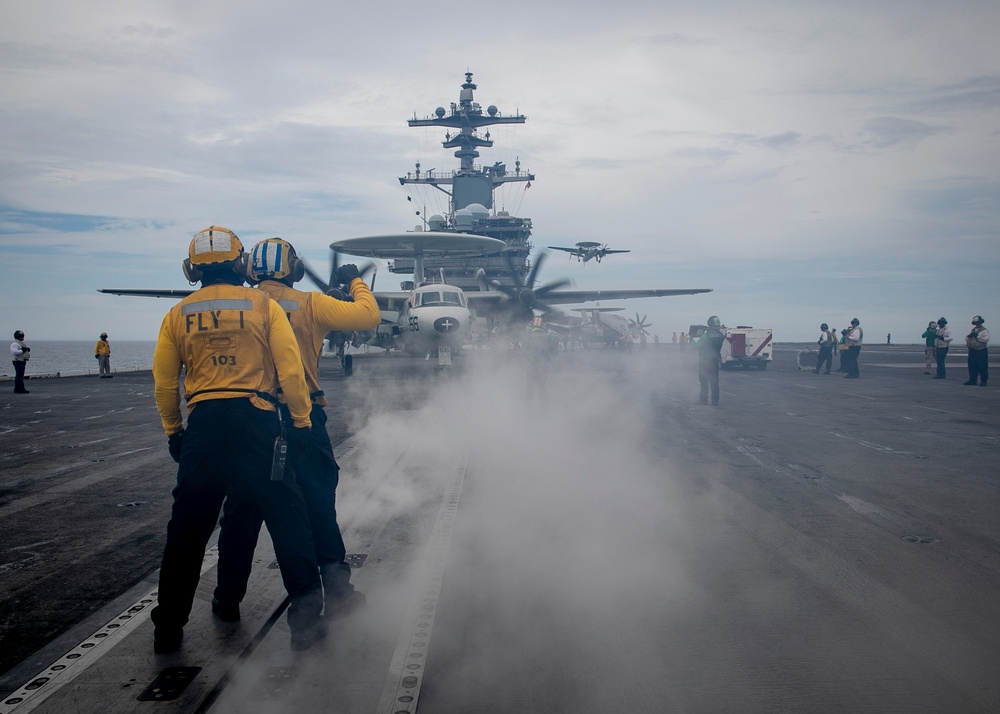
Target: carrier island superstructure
x: 470, y: 190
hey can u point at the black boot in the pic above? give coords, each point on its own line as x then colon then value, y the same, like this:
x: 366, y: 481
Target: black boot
x: 304, y: 621
x: 339, y: 596
x: 167, y: 639
x: 226, y: 611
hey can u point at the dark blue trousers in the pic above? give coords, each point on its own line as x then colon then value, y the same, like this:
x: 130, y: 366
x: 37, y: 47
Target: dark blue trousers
x: 228, y: 447
x: 979, y: 366
x: 18, y: 376
x: 316, y: 473
x: 708, y: 378
x: 825, y: 356
x: 851, y: 360
x: 940, y: 354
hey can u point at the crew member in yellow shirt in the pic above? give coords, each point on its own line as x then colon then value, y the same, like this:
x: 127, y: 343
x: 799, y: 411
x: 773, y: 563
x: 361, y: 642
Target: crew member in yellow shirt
x: 102, y: 351
x: 236, y: 348
x: 275, y: 266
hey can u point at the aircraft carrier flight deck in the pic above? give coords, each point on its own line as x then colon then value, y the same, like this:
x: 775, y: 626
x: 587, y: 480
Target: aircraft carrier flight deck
x: 575, y: 534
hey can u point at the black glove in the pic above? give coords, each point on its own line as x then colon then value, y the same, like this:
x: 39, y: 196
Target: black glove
x: 299, y: 442
x: 28, y: 349
x: 347, y: 272
x: 174, y: 443
x: 97, y: 356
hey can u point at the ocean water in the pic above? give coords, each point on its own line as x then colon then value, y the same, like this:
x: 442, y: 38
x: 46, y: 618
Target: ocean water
x: 76, y: 358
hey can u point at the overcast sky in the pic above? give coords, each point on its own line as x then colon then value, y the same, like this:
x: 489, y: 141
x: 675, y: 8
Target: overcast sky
x: 809, y: 161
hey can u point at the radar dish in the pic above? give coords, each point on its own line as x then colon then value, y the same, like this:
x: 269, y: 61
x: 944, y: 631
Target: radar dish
x: 419, y: 243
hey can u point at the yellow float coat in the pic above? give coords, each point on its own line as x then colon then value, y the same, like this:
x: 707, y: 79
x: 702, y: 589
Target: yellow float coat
x: 314, y: 314
x: 233, y: 342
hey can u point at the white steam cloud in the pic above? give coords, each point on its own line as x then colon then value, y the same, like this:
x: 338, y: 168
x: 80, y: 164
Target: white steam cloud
x: 568, y: 546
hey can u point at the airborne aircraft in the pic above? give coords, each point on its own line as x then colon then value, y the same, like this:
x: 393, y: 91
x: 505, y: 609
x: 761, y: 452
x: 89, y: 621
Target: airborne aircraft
x: 587, y: 249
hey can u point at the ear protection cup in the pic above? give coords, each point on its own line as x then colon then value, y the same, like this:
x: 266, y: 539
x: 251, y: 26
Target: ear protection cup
x: 191, y: 272
x: 241, y: 266
x: 298, y: 269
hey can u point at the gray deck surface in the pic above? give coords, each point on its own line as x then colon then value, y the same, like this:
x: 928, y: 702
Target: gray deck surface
x: 577, y: 535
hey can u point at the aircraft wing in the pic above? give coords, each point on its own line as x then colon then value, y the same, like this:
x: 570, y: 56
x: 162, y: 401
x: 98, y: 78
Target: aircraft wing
x: 485, y: 302
x: 386, y: 300
x: 391, y: 301
x: 563, y: 297
x: 574, y: 251
x: 609, y: 251
x: 146, y: 293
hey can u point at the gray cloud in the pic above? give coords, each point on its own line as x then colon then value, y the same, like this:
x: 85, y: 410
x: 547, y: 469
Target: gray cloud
x: 958, y: 199
x: 784, y: 140
x: 977, y: 94
x: 884, y: 132
x: 714, y: 155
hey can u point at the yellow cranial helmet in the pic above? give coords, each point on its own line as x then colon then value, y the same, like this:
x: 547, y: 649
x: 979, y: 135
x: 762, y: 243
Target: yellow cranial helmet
x: 275, y: 259
x: 214, y: 246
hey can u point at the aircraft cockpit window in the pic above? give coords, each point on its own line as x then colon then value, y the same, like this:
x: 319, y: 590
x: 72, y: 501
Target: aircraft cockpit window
x: 453, y: 298
x: 430, y: 298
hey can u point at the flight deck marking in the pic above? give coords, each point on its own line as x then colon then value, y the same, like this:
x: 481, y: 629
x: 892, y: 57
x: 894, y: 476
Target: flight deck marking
x: 275, y: 683
x: 863, y: 396
x: 874, y: 446
x: 169, y: 684
x: 85, y: 443
x: 72, y: 664
x: 406, y: 670
x: 935, y: 409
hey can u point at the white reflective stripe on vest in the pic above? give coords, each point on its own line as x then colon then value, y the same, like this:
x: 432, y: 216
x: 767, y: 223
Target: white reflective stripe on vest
x: 217, y: 304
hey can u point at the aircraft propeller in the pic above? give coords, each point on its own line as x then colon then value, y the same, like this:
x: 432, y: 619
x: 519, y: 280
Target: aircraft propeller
x: 523, y: 296
x: 641, y: 324
x: 332, y: 287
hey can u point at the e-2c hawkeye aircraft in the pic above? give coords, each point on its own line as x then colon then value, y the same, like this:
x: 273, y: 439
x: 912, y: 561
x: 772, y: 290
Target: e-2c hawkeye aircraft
x: 587, y: 249
x: 435, y: 316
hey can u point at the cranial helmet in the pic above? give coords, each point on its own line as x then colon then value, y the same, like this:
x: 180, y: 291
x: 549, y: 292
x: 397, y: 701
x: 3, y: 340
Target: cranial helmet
x: 855, y: 322
x: 104, y: 335
x: 931, y: 323
x: 714, y: 322
x: 275, y: 259
x: 214, y: 247
x: 824, y: 326
x: 942, y: 322
x: 18, y: 335
x: 978, y: 320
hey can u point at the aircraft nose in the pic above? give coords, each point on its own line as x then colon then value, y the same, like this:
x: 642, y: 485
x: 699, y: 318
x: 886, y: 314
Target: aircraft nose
x: 447, y: 325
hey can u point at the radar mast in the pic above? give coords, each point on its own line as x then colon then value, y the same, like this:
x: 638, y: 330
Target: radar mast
x: 470, y: 190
